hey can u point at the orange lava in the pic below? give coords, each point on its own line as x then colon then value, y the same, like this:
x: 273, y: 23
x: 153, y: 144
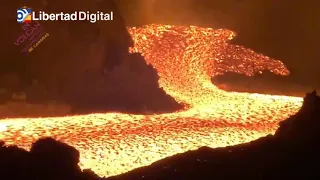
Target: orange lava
x: 185, y: 58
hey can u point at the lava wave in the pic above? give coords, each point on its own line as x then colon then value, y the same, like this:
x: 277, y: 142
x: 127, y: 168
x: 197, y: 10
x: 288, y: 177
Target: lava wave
x: 186, y: 58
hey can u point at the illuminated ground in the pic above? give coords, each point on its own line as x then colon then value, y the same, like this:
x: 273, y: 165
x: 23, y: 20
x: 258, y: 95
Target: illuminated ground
x: 185, y: 57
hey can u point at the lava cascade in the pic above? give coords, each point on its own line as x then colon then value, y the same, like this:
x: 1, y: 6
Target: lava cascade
x: 185, y: 57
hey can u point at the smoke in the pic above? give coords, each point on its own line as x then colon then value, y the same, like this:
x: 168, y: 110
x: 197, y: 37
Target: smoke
x: 184, y: 12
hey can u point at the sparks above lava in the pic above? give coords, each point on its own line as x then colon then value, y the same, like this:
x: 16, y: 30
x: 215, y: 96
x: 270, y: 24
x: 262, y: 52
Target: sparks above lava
x: 185, y: 58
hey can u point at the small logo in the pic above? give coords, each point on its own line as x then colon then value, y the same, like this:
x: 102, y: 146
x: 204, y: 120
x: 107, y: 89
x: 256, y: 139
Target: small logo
x: 24, y: 15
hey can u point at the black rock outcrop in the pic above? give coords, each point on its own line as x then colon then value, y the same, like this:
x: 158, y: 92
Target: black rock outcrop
x: 48, y: 159
x: 79, y: 62
x: 264, y: 82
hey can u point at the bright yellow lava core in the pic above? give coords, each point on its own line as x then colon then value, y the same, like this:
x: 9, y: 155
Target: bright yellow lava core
x: 185, y: 57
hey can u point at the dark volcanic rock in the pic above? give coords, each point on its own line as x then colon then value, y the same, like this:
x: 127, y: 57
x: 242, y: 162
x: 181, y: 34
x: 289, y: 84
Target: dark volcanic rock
x: 53, y: 158
x: 303, y: 126
x: 47, y: 160
x: 14, y: 162
x: 264, y: 82
x: 80, y: 62
x: 131, y: 87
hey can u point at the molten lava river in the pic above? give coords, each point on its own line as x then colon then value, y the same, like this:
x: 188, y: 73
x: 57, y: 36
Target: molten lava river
x: 186, y: 58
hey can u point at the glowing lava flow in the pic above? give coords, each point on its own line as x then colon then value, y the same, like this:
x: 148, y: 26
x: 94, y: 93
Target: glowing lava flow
x: 185, y: 57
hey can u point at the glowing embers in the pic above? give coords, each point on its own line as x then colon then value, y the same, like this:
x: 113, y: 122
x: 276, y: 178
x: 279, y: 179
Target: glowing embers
x: 185, y: 58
